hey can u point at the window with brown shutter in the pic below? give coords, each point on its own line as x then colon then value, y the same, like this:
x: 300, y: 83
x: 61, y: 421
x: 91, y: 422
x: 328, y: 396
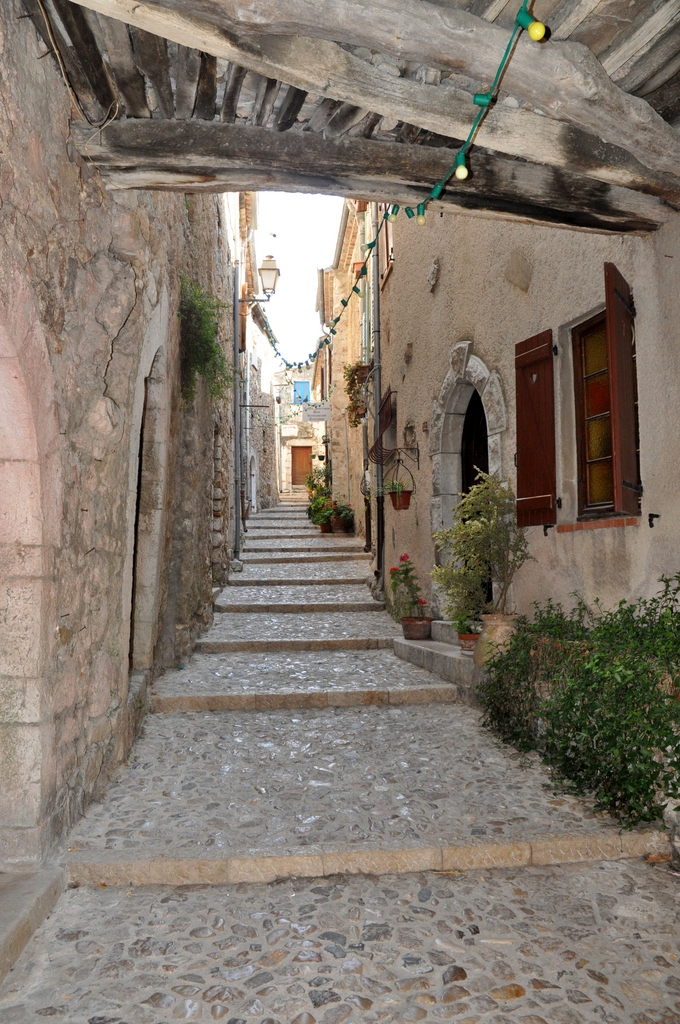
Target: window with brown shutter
x: 605, y: 388
x: 385, y: 246
x: 535, y: 457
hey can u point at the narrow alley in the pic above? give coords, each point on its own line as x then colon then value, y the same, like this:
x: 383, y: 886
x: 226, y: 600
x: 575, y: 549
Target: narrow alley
x: 292, y: 838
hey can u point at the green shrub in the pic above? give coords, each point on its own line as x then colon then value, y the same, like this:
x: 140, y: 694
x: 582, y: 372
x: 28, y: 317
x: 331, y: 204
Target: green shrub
x: 201, y: 352
x: 598, y: 693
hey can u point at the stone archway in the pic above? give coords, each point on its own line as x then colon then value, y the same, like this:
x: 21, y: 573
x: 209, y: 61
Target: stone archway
x: 467, y: 373
x: 151, y: 517
x: 30, y: 531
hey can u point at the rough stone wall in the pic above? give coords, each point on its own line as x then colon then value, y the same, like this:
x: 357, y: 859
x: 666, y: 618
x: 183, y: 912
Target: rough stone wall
x: 499, y: 282
x: 89, y: 288
x: 261, y: 439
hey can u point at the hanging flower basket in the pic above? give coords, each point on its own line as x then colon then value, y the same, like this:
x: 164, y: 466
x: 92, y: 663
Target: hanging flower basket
x: 401, y: 500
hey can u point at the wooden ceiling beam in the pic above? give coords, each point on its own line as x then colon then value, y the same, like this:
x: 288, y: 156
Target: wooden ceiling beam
x: 188, y: 72
x: 151, y: 57
x: 190, y: 156
x: 645, y: 73
x: 324, y: 68
x: 129, y: 81
x: 563, y: 80
x: 293, y: 102
x: 637, y: 37
x: 206, y: 92
x: 232, y: 91
x: 568, y: 15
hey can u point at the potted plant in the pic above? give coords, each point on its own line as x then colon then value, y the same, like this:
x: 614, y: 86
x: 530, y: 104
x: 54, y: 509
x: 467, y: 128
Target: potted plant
x: 404, y: 585
x: 468, y: 633
x: 320, y: 510
x: 342, y: 518
x: 355, y: 375
x: 485, y: 547
x: 399, y: 493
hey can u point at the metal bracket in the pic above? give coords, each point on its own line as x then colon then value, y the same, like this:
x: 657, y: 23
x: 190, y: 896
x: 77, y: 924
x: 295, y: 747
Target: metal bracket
x: 546, y: 527
x: 651, y: 517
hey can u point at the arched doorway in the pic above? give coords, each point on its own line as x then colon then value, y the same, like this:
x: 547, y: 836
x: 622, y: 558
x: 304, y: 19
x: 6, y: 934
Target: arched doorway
x: 474, y: 452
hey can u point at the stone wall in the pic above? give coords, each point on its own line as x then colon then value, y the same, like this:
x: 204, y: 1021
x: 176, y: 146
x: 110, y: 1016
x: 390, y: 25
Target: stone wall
x: 89, y: 378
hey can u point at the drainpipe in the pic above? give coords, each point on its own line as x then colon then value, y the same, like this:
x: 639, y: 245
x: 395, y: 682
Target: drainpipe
x: 237, y: 420
x: 377, y: 393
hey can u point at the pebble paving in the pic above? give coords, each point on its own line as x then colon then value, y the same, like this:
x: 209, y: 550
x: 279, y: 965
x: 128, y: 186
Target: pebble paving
x: 576, y: 944
x: 536, y: 946
x: 287, y: 781
x: 232, y: 597
x: 312, y: 625
x: 306, y: 672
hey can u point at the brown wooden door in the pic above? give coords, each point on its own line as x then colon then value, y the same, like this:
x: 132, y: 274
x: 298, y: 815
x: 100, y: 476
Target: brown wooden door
x: 535, y: 407
x: 302, y: 464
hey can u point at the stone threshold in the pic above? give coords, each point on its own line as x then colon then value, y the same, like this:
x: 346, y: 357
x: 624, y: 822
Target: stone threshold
x: 25, y: 902
x: 199, y: 868
x: 301, y: 559
x: 311, y: 549
x: 297, y: 581
x: 308, y: 606
x: 366, y: 643
x: 276, y: 700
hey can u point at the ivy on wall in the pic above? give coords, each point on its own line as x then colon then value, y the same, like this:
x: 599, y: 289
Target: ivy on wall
x: 200, y: 350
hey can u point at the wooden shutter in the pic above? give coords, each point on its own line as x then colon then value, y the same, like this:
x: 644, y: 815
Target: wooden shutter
x: 535, y: 403
x: 620, y: 314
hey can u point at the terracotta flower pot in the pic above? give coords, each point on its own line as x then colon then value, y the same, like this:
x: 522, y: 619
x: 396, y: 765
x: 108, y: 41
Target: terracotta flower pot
x: 494, y: 637
x: 325, y: 527
x: 401, y: 500
x: 416, y: 627
x: 337, y: 524
x: 468, y: 641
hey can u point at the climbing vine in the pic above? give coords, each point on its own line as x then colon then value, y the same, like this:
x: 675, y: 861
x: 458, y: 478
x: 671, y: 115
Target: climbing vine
x: 201, y: 352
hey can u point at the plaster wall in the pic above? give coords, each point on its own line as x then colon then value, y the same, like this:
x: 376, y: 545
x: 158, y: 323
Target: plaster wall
x: 89, y: 289
x: 498, y: 283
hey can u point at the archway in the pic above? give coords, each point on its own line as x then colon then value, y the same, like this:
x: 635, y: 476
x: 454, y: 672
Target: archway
x: 30, y: 525
x: 469, y: 387
x: 150, y: 518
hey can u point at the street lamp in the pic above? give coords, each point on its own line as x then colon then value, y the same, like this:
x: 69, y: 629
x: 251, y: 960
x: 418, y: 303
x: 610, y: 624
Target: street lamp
x: 269, y: 275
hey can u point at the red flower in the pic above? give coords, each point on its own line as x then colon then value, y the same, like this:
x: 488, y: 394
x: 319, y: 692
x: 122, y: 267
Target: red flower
x: 394, y: 569
x: 421, y: 601
x: 404, y: 558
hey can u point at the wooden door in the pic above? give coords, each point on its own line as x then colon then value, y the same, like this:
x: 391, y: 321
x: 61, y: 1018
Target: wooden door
x: 302, y: 464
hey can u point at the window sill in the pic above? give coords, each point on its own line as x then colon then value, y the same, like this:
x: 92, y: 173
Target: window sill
x: 599, y: 524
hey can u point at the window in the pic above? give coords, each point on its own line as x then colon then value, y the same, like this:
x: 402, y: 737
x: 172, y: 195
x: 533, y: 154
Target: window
x: 535, y: 454
x: 385, y: 246
x: 301, y: 391
x: 605, y: 389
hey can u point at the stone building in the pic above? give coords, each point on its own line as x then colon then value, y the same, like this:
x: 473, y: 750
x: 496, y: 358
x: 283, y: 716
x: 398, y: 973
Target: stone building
x: 300, y: 444
x: 464, y: 299
x: 116, y: 510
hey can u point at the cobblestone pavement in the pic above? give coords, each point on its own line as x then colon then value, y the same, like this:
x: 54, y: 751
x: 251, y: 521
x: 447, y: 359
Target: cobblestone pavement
x: 312, y: 625
x: 328, y: 542
x: 418, y: 785
x: 326, y: 780
x: 536, y: 946
x: 307, y: 672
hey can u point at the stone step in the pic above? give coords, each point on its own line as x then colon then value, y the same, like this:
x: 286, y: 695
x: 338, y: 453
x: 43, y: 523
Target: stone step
x: 285, y: 608
x: 228, y: 796
x: 260, y: 626
x: 302, y: 559
x: 354, y: 643
x: 446, y: 661
x: 268, y: 547
x: 236, y: 580
x: 26, y: 899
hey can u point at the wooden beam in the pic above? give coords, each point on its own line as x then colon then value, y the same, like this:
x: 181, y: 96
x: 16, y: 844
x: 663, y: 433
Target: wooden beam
x: 188, y: 71
x: 642, y: 75
x: 87, y: 53
x: 568, y: 15
x: 151, y: 57
x: 324, y: 68
x: 487, y: 9
x: 344, y: 119
x: 666, y: 100
x: 265, y: 98
x: 206, y: 93
x: 232, y: 91
x: 293, y: 102
x: 128, y: 79
x: 639, y: 35
x: 190, y: 155
x: 564, y: 80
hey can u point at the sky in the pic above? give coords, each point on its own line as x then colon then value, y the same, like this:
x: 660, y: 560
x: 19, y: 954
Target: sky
x: 306, y: 230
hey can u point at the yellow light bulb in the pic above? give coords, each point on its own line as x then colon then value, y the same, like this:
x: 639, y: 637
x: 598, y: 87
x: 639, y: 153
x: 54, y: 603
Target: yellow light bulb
x: 420, y: 219
x: 536, y: 31
x: 461, y: 172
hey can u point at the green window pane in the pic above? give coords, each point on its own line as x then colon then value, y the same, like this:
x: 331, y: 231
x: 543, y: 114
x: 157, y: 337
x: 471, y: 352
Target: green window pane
x: 595, y: 351
x: 597, y: 394
x: 599, y: 438
x: 600, y: 483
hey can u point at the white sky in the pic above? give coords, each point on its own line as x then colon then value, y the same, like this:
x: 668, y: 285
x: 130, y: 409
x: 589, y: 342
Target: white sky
x: 306, y: 229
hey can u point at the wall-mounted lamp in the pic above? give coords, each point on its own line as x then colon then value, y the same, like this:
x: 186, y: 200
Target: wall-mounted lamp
x: 269, y: 276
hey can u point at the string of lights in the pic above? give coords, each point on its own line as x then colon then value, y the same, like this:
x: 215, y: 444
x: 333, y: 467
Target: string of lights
x: 536, y: 30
